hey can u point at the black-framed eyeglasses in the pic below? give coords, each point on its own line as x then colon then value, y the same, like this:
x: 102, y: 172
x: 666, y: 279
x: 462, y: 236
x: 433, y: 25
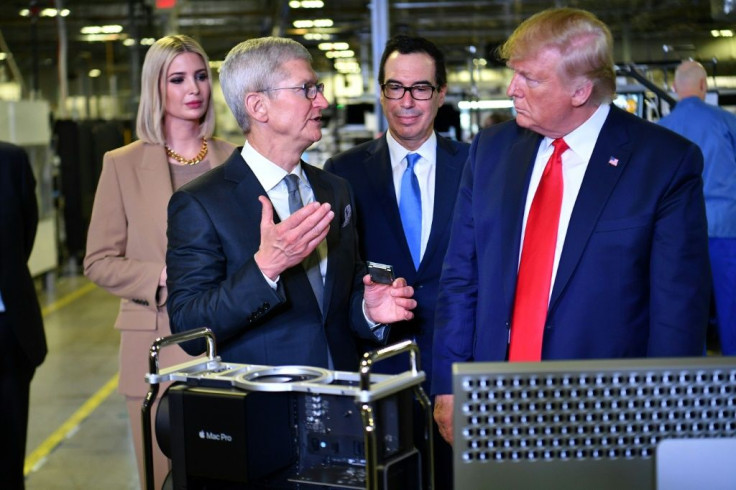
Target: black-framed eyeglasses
x: 310, y: 89
x: 418, y: 92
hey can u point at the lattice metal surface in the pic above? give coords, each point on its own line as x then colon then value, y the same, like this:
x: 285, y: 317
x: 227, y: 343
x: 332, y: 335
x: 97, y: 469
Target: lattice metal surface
x: 589, y: 414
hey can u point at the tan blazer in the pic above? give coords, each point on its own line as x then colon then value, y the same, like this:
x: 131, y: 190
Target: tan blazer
x: 126, y: 250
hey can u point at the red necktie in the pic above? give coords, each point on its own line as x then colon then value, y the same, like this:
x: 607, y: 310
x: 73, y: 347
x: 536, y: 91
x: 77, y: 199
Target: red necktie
x: 537, y: 258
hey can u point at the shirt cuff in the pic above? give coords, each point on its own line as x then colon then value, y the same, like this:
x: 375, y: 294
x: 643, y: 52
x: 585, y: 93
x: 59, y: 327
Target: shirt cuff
x: 378, y: 329
x: 274, y: 284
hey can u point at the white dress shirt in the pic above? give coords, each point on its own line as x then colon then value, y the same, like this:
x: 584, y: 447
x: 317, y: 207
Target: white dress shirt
x: 425, y: 170
x: 581, y: 142
x: 271, y: 178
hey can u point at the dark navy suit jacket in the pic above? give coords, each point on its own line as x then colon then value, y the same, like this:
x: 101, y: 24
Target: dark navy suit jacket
x: 214, y: 281
x: 633, y: 278
x: 368, y: 169
x: 18, y: 222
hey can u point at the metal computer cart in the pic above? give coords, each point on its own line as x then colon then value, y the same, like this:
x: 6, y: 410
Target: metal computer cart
x: 241, y: 426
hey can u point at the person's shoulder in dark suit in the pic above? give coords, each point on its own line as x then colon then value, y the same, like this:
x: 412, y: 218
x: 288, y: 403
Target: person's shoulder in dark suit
x: 339, y: 163
x: 11, y: 150
x: 665, y: 145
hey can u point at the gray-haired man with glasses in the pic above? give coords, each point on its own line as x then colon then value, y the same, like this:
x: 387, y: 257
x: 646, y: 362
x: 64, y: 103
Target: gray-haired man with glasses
x: 405, y: 184
x: 263, y: 249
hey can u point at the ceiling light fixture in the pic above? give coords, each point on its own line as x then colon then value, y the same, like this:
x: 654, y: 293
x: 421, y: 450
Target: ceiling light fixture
x: 95, y: 38
x: 347, y: 66
x: 47, y: 12
x: 333, y: 46
x: 316, y: 36
x: 146, y: 41
x: 348, y: 53
x: 108, y: 29
x: 307, y: 23
x: 306, y: 4
x: 202, y: 21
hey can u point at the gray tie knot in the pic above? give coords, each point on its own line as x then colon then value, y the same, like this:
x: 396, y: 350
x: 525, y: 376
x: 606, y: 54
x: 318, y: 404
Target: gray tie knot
x: 292, y: 182
x: 295, y: 199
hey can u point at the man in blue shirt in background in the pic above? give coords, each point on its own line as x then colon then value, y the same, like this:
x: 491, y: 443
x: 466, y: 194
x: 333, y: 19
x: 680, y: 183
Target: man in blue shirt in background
x: 714, y: 131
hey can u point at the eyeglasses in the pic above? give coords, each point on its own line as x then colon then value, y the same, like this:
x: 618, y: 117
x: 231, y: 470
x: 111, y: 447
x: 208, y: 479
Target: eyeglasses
x: 397, y: 91
x: 310, y: 89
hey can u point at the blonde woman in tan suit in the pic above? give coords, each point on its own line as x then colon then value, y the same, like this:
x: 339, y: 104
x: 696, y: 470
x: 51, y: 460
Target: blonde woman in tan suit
x: 126, y: 243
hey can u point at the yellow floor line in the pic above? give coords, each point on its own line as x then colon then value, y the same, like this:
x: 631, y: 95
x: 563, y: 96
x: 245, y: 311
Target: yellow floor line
x: 69, y: 426
x: 39, y: 455
x: 69, y: 298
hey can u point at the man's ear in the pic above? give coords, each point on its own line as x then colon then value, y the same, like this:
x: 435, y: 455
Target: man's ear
x: 583, y: 90
x: 703, y: 86
x: 256, y: 106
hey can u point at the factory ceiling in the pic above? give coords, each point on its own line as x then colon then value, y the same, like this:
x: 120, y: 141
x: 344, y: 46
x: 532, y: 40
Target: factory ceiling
x: 645, y: 31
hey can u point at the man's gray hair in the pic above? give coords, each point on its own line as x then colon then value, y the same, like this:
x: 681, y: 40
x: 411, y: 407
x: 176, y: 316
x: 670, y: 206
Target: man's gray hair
x: 253, y: 65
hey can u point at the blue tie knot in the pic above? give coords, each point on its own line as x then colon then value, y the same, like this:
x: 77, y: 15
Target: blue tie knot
x: 412, y: 159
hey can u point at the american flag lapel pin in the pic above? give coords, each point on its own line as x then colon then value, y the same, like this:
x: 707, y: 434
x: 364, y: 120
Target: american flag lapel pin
x: 613, y: 161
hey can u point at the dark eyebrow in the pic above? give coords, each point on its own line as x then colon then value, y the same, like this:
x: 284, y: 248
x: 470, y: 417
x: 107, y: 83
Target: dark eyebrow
x: 418, y: 82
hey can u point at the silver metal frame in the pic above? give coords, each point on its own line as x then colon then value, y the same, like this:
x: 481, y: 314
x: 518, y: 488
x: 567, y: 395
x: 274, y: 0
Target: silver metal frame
x: 366, y: 389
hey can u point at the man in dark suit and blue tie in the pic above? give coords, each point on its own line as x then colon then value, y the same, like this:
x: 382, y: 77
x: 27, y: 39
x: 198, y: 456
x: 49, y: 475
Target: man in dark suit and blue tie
x: 579, y: 229
x: 284, y: 287
x: 405, y: 185
x: 22, y: 339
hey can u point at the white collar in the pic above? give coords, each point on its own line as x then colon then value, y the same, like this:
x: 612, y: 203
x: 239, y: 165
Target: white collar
x: 428, y: 150
x: 268, y: 173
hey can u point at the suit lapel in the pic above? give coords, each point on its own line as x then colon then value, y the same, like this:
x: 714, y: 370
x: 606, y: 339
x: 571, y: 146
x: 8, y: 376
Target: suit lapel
x: 324, y: 193
x: 380, y: 175
x: 247, y: 190
x: 156, y: 187
x: 516, y: 185
x: 598, y: 183
x: 449, y: 166
x: 156, y: 176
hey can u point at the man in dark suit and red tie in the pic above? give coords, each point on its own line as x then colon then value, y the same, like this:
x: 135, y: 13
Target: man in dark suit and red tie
x: 579, y: 230
x: 413, y: 83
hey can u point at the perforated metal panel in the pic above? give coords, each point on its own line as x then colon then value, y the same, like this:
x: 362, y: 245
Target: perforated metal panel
x: 517, y: 419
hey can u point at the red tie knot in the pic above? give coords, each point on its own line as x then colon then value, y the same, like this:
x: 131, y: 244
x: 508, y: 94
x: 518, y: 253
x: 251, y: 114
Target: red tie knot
x: 560, y: 146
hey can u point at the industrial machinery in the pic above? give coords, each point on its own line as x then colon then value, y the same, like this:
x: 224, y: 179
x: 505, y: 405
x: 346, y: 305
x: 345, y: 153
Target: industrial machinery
x: 242, y: 426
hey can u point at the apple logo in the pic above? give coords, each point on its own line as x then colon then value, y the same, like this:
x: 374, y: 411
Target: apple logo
x: 201, y: 434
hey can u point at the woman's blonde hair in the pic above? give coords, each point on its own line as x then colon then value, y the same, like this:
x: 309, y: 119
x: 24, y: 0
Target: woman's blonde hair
x: 152, y: 106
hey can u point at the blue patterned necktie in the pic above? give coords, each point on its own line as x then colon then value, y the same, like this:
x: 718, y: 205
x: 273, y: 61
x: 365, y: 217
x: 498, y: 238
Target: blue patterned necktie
x: 410, y: 208
x: 311, y: 263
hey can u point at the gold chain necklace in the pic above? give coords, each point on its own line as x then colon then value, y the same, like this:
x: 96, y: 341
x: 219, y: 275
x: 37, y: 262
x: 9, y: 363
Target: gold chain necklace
x: 184, y: 161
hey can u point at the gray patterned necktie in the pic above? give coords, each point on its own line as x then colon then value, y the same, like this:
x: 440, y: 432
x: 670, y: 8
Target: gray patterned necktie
x: 311, y: 263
